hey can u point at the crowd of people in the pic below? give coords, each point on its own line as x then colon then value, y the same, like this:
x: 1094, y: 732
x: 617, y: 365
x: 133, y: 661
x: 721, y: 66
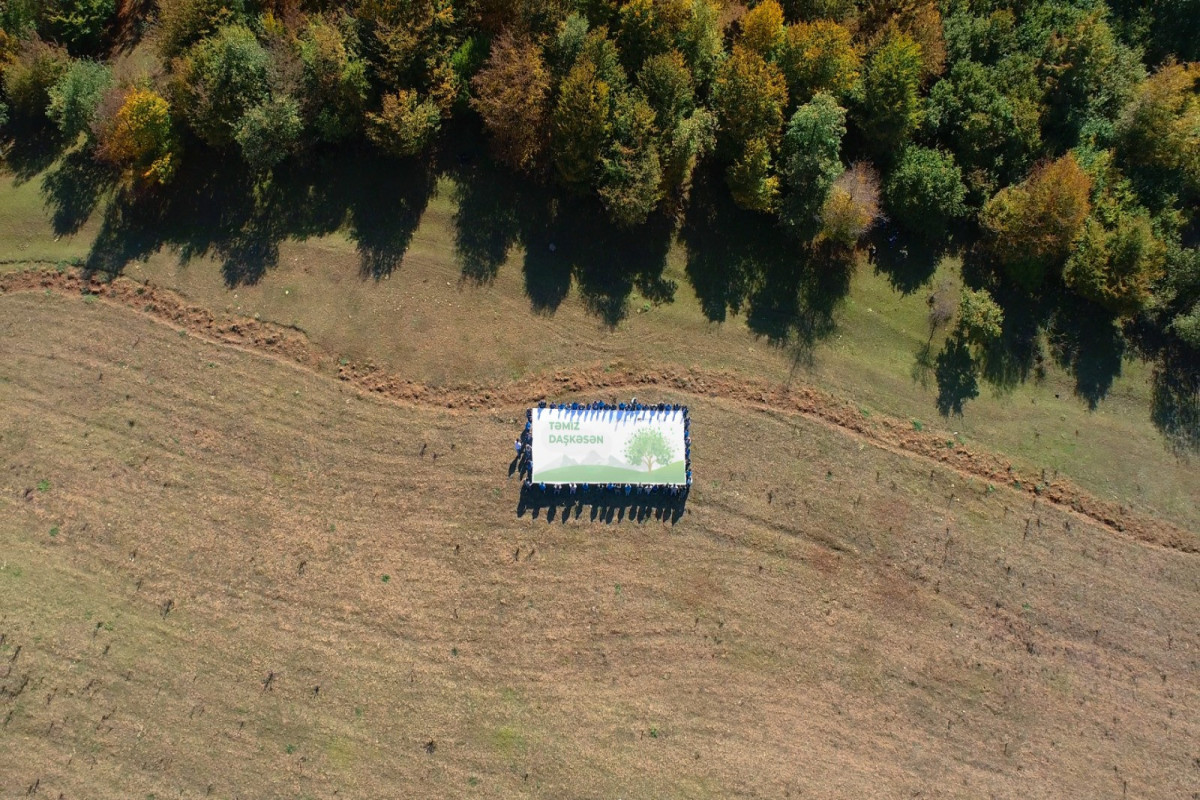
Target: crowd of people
x: 524, y: 453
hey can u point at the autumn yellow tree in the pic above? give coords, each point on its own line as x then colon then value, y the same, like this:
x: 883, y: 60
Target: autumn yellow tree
x: 820, y: 57
x: 1031, y: 226
x: 140, y: 138
x: 1160, y: 128
x: 512, y: 96
x: 762, y: 29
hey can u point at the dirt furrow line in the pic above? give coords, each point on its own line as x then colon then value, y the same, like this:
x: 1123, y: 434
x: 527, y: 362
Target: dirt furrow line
x: 896, y: 435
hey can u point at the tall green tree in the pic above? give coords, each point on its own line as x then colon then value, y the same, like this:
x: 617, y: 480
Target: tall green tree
x: 182, y: 23
x: 751, y: 177
x: 334, y: 79
x: 692, y: 138
x: 980, y: 318
x: 667, y: 84
x: 75, y: 97
x: 581, y: 124
x: 749, y: 95
x: 891, y: 107
x: 630, y: 182
x: 990, y: 117
x: 219, y: 80
x: 700, y: 40
x: 650, y: 27
x: 810, y: 162
x: 80, y: 25
x: 1090, y: 75
x: 37, y: 67
x: 1116, y: 262
x: 270, y: 132
x: 925, y: 192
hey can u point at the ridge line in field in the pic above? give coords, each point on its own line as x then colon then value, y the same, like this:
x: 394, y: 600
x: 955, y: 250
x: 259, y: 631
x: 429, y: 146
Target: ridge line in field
x: 291, y: 346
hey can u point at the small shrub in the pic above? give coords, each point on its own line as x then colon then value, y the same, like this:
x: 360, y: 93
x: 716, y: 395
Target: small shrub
x: 918, y: 425
x: 941, y: 308
x: 28, y: 80
x: 980, y: 319
x: 43, y: 485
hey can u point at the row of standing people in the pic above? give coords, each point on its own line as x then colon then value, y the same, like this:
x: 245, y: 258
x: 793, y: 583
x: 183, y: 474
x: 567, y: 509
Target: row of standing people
x: 523, y: 446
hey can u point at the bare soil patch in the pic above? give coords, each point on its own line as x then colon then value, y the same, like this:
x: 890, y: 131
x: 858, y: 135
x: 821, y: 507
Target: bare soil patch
x: 899, y: 435
x: 223, y: 575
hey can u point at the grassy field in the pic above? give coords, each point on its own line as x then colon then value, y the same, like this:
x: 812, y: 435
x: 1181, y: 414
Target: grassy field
x: 223, y: 575
x: 426, y: 322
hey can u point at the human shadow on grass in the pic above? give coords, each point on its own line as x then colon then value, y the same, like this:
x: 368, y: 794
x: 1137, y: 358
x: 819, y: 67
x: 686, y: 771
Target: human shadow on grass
x: 600, y: 505
x: 216, y: 208
x: 741, y: 262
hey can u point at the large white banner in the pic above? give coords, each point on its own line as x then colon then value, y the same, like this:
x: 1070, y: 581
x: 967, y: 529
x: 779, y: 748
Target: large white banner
x: 609, y: 446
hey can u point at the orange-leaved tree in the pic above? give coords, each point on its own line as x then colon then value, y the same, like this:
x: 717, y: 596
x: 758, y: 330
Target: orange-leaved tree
x: 511, y: 93
x: 1031, y: 226
x: 140, y: 138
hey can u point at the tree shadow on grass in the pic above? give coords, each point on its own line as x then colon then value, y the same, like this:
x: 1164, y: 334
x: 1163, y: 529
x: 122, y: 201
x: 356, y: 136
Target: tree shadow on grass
x: 74, y: 187
x: 492, y: 207
x: 570, y: 238
x: 216, y: 208
x: 907, y: 262
x: 739, y: 261
x: 1016, y: 356
x: 955, y: 370
x: 566, y: 238
x: 1175, y: 403
x: 1087, y: 342
x: 31, y: 148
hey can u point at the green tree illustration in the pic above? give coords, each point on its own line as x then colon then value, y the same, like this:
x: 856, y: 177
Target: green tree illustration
x: 647, y: 446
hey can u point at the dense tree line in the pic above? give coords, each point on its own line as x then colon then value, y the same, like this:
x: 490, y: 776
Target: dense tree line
x: 1056, y: 143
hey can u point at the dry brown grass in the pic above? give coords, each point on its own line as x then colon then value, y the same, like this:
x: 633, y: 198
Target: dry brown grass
x: 830, y: 618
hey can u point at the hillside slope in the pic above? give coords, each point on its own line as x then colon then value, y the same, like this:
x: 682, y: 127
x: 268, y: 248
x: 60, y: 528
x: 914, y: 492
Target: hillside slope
x: 222, y: 573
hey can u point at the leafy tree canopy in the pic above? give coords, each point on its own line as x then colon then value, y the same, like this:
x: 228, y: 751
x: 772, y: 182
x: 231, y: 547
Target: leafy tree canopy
x: 925, y: 192
x: 811, y: 162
